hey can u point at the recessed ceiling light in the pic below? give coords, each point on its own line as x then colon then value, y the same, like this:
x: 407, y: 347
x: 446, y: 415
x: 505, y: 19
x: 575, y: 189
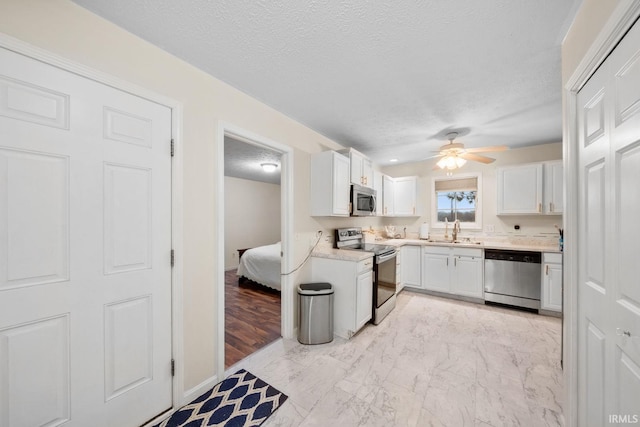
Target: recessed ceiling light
x: 393, y: 160
x: 269, y: 167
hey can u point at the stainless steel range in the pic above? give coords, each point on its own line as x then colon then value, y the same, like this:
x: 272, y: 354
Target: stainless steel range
x: 384, y: 270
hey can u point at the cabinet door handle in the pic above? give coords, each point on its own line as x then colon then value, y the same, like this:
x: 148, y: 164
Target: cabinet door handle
x: 455, y: 262
x: 447, y: 262
x: 546, y: 270
x: 550, y: 206
x: 539, y: 207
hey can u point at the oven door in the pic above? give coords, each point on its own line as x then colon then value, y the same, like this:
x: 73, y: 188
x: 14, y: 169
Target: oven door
x: 385, y: 279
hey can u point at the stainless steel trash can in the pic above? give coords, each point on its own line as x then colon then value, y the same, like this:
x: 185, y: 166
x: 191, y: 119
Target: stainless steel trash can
x: 315, y: 302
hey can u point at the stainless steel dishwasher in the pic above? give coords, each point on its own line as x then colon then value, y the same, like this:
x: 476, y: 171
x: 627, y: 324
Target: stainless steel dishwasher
x: 513, y: 277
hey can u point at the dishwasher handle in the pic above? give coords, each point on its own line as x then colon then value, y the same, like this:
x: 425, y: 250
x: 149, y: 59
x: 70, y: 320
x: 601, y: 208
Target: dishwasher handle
x: 513, y: 256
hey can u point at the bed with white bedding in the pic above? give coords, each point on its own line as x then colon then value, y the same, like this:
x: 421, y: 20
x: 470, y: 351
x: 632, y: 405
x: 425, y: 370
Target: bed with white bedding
x: 262, y: 265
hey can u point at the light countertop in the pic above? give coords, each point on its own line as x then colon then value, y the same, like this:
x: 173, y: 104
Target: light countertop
x: 341, y: 254
x: 480, y: 245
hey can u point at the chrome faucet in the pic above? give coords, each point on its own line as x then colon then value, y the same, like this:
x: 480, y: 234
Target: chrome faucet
x: 456, y: 230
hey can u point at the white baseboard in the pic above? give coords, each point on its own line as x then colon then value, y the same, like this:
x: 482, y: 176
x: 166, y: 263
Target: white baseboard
x: 196, y: 391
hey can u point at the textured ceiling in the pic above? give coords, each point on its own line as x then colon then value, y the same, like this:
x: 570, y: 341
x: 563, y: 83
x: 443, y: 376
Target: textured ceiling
x: 387, y: 78
x: 242, y: 160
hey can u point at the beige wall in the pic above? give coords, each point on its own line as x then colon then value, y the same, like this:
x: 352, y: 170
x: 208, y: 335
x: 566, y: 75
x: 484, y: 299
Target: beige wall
x: 251, y: 216
x: 530, y: 226
x: 589, y: 20
x: 68, y: 30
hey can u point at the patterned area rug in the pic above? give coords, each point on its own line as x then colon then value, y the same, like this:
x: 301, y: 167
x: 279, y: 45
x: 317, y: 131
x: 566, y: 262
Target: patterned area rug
x: 240, y: 400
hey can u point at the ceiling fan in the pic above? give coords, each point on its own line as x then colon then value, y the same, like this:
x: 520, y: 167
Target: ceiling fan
x: 454, y: 155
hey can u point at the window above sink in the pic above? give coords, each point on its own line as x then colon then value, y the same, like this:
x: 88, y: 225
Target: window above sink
x: 456, y: 198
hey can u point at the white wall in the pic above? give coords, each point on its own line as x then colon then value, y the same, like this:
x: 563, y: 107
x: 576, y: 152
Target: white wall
x: 530, y: 226
x: 251, y: 216
x: 66, y: 29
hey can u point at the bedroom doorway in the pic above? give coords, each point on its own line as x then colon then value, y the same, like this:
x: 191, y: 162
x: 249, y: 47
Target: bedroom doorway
x: 252, y: 248
x: 255, y: 206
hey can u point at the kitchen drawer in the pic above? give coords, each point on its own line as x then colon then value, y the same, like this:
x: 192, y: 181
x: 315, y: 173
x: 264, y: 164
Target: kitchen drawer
x: 364, y: 265
x: 550, y: 257
x: 444, y: 250
x: 472, y: 252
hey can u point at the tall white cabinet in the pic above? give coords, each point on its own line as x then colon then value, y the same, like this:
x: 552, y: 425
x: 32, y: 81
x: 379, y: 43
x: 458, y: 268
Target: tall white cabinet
x: 330, y: 185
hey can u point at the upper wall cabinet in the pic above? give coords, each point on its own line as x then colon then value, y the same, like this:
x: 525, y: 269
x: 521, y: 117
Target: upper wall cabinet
x: 330, y: 184
x: 553, y: 200
x: 534, y: 188
x: 361, y: 168
x: 388, y: 196
x: 405, y: 195
x: 378, y: 185
x: 399, y: 196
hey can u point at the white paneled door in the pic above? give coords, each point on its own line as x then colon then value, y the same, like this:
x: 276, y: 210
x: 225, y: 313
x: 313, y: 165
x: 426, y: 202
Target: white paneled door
x: 609, y: 240
x: 85, y: 240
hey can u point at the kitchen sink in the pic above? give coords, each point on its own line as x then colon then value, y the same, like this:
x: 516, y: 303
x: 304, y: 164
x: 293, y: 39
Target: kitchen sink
x: 455, y: 242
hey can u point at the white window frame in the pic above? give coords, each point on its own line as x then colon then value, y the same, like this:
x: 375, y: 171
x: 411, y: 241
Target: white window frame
x: 477, y: 225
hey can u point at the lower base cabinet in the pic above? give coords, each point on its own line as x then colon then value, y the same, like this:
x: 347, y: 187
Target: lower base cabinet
x: 551, y: 295
x: 457, y: 271
x: 411, y: 266
x: 353, y: 291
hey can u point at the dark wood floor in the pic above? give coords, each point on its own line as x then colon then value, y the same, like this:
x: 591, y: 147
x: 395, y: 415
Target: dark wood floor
x: 252, y: 317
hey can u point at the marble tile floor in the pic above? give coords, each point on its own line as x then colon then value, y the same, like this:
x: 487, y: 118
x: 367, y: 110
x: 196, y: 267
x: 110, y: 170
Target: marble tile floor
x: 431, y: 362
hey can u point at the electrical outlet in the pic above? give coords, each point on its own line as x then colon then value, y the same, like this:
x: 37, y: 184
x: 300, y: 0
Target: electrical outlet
x: 489, y: 228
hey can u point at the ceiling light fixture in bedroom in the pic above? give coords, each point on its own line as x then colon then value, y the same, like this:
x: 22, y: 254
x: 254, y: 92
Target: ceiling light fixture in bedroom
x: 269, y: 167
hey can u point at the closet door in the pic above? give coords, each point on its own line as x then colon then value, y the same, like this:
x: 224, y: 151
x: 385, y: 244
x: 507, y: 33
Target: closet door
x: 609, y: 238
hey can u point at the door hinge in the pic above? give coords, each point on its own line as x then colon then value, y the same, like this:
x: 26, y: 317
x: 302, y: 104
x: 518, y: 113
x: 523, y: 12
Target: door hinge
x: 173, y: 367
x: 173, y: 145
x: 173, y: 257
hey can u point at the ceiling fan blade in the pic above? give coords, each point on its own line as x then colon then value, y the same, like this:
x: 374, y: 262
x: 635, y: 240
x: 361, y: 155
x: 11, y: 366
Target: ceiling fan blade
x: 487, y: 149
x: 477, y: 158
x: 435, y: 156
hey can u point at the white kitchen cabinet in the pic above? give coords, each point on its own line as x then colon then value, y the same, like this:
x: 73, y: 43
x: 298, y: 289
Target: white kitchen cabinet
x: 399, y: 196
x: 388, y: 197
x: 411, y: 266
x: 353, y: 291
x: 553, y: 179
x: 551, y: 295
x: 534, y: 188
x: 330, y: 185
x: 361, y: 168
x: 364, y: 299
x: 453, y: 270
x: 467, y: 276
x: 520, y: 189
x: 378, y: 185
x: 435, y: 269
x: 405, y: 196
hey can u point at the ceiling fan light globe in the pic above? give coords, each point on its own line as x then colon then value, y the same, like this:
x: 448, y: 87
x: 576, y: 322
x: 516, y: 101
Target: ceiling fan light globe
x: 460, y: 162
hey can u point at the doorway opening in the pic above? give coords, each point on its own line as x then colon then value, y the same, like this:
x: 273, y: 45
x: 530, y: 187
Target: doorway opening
x: 252, y: 248
x: 255, y: 229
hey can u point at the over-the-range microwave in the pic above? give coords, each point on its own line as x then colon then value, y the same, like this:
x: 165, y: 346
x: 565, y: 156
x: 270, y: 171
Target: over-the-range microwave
x: 363, y: 201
